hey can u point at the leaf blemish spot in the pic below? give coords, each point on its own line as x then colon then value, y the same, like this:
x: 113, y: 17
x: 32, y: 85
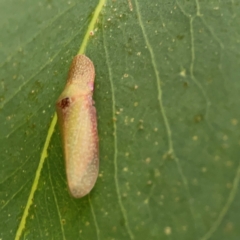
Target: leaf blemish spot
x: 198, y: 118
x: 184, y: 228
x: 183, y: 73
x: 126, y: 120
x: 229, y: 185
x: 149, y: 182
x: 148, y: 160
x: 225, y: 138
x: 234, y: 121
x: 229, y: 163
x: 157, y: 173
x: 167, y: 230
x: 195, y: 138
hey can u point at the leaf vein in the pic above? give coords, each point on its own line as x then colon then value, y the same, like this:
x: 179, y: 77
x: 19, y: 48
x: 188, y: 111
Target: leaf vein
x: 51, y: 21
x: 36, y: 179
x: 226, y: 207
x: 56, y: 203
x: 123, y: 210
x: 171, y: 151
x: 94, y: 218
x: 15, y: 194
x: 37, y: 72
x: 44, y: 152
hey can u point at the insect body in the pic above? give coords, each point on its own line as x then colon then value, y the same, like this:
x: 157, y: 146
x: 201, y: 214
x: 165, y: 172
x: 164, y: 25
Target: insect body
x: 78, y: 123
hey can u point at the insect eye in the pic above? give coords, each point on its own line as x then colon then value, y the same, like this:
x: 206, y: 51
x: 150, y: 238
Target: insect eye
x: 65, y: 102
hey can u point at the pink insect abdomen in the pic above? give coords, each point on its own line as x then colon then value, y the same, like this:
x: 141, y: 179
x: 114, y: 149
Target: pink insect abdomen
x: 77, y: 117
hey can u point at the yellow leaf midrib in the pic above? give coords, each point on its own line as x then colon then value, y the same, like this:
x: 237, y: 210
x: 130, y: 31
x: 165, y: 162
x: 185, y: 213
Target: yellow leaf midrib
x: 44, y: 154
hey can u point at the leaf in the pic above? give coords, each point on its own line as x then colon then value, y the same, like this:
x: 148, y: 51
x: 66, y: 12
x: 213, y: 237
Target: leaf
x: 167, y: 97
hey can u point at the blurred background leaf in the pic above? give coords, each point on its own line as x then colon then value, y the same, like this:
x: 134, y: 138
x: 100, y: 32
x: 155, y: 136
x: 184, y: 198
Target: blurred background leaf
x: 167, y: 96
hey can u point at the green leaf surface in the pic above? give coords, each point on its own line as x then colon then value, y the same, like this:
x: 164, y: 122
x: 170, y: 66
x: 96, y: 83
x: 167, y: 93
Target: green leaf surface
x: 167, y: 97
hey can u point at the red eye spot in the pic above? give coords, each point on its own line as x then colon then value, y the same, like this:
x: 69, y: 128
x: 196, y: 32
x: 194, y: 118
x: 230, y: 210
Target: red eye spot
x: 65, y: 102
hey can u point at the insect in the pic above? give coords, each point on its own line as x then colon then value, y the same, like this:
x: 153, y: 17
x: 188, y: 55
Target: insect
x: 78, y: 123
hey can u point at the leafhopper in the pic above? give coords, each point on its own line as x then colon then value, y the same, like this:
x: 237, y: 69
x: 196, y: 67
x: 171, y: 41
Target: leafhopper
x: 78, y: 123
